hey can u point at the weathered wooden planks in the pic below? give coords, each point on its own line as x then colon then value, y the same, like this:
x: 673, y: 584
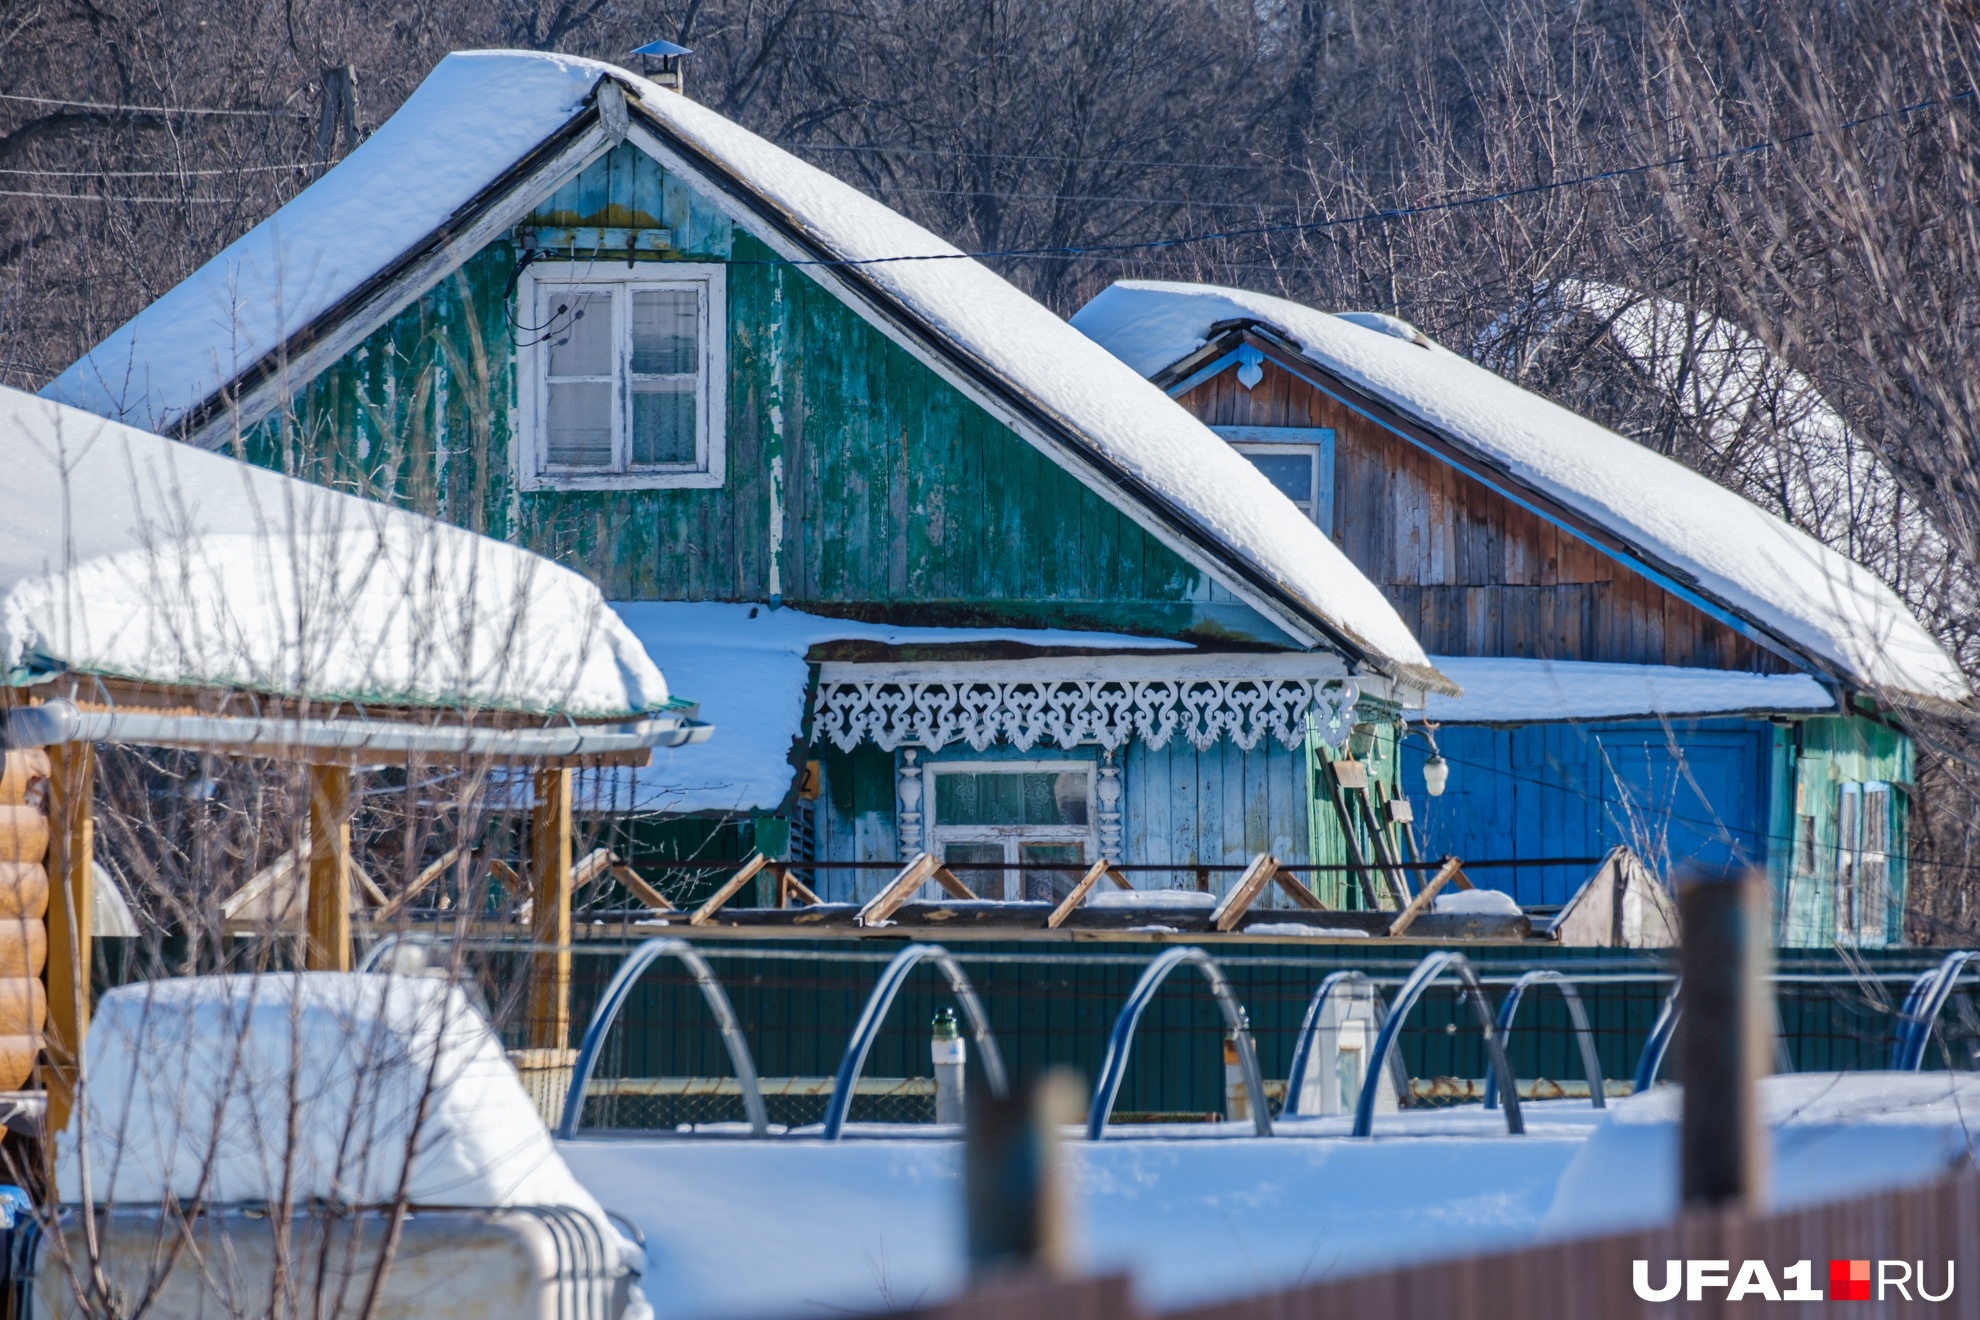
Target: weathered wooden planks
x: 1471, y: 572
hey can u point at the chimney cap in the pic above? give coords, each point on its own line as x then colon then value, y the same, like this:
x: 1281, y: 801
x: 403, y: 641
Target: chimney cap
x: 661, y: 49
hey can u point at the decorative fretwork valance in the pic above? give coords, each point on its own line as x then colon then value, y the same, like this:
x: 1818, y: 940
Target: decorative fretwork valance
x: 1071, y: 702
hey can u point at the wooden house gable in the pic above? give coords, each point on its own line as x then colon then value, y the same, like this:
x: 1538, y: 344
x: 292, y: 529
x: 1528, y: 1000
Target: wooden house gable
x: 1472, y: 570
x: 860, y: 476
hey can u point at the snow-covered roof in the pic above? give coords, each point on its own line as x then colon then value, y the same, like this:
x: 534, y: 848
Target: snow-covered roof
x: 481, y: 112
x: 1519, y: 691
x: 745, y: 665
x: 125, y: 555
x: 192, y: 1080
x: 1834, y: 611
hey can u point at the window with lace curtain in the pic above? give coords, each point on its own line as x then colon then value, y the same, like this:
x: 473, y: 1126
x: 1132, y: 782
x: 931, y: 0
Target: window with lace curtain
x: 621, y: 375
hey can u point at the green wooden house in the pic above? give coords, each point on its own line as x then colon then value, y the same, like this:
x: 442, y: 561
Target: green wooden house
x: 948, y: 575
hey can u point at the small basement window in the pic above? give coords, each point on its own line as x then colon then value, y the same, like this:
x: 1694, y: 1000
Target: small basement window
x: 1299, y: 460
x: 621, y: 375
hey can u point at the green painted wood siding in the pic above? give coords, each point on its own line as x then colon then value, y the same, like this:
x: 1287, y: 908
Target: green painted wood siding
x: 900, y: 498
x: 1833, y: 752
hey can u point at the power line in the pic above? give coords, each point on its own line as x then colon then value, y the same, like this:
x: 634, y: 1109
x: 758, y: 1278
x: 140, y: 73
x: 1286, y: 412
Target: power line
x: 154, y: 174
x: 1071, y: 197
x: 99, y: 197
x: 151, y: 109
x: 1028, y: 156
x: 1068, y: 252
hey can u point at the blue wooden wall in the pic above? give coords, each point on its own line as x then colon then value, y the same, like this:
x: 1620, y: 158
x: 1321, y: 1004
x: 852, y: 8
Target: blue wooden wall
x: 1693, y: 789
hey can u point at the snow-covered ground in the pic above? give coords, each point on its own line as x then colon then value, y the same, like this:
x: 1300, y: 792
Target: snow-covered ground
x: 741, y: 1228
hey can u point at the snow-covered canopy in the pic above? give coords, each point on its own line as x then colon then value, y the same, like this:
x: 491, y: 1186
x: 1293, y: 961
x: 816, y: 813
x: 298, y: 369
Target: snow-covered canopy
x: 125, y: 555
x: 1839, y: 614
x: 1500, y: 690
x: 191, y: 1084
x: 481, y: 112
x: 746, y: 666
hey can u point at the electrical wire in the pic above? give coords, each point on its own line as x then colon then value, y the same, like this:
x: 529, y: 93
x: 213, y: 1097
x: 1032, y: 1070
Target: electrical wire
x: 152, y: 109
x: 1685, y: 161
x: 100, y: 197
x: 154, y: 174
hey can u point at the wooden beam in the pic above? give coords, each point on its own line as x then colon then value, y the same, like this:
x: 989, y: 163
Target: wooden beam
x: 1390, y: 871
x: 788, y: 884
x: 1333, y: 774
x: 550, y: 911
x: 637, y: 886
x: 1241, y: 895
x: 947, y: 879
x: 897, y: 891
x: 421, y: 882
x: 1423, y: 896
x: 1297, y: 891
x: 1082, y: 889
x: 756, y: 862
x: 327, y: 912
x: 71, y: 846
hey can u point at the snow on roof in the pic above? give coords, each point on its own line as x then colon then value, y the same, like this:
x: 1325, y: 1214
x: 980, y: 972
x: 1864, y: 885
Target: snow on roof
x: 1834, y: 609
x: 126, y: 555
x: 480, y: 112
x: 750, y: 678
x: 1519, y: 691
x: 191, y: 1083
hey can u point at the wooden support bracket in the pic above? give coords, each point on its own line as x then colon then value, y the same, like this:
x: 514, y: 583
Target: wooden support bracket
x: 1239, y: 899
x: 637, y: 886
x: 756, y: 862
x: 1083, y: 888
x: 789, y: 886
x: 1445, y: 874
x: 898, y: 890
x: 947, y: 879
x: 1296, y: 891
x: 421, y: 882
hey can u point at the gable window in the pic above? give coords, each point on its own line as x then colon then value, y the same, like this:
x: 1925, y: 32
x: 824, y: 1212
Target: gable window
x: 1299, y: 460
x: 1013, y: 829
x: 621, y: 375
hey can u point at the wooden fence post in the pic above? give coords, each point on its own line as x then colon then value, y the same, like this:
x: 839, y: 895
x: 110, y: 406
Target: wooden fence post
x: 1724, y: 1038
x: 327, y: 930
x: 550, y: 911
x: 1014, y: 1192
x: 71, y: 846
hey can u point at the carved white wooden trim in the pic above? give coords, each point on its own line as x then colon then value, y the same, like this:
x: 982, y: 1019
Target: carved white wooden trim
x: 909, y: 816
x: 894, y: 711
x: 1108, y: 791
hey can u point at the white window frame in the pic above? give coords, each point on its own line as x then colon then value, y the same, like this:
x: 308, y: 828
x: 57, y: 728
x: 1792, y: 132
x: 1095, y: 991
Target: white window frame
x: 1316, y: 442
x: 1863, y: 876
x: 1012, y: 836
x: 709, y: 470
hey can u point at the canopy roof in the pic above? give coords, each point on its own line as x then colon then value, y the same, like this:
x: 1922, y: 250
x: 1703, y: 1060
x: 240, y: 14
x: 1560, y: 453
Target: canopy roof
x: 1741, y: 560
x: 127, y: 556
x: 490, y: 132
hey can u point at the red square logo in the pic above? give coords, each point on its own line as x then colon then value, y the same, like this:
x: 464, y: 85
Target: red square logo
x: 1849, y: 1280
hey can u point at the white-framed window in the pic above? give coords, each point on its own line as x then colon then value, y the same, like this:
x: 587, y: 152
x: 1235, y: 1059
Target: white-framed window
x: 1863, y: 863
x: 1299, y: 460
x: 621, y: 375
x: 1013, y: 829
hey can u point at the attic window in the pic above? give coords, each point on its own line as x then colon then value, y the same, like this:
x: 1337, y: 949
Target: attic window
x: 621, y: 376
x: 1299, y: 460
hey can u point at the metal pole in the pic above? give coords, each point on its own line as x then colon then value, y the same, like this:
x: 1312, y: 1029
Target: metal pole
x: 1724, y: 1036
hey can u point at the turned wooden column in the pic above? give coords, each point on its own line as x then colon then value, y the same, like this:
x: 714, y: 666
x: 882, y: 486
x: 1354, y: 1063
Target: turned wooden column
x: 327, y: 934
x: 550, y: 911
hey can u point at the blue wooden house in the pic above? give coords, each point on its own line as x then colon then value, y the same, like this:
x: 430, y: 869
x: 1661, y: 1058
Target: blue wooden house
x: 947, y: 574
x: 1647, y: 658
